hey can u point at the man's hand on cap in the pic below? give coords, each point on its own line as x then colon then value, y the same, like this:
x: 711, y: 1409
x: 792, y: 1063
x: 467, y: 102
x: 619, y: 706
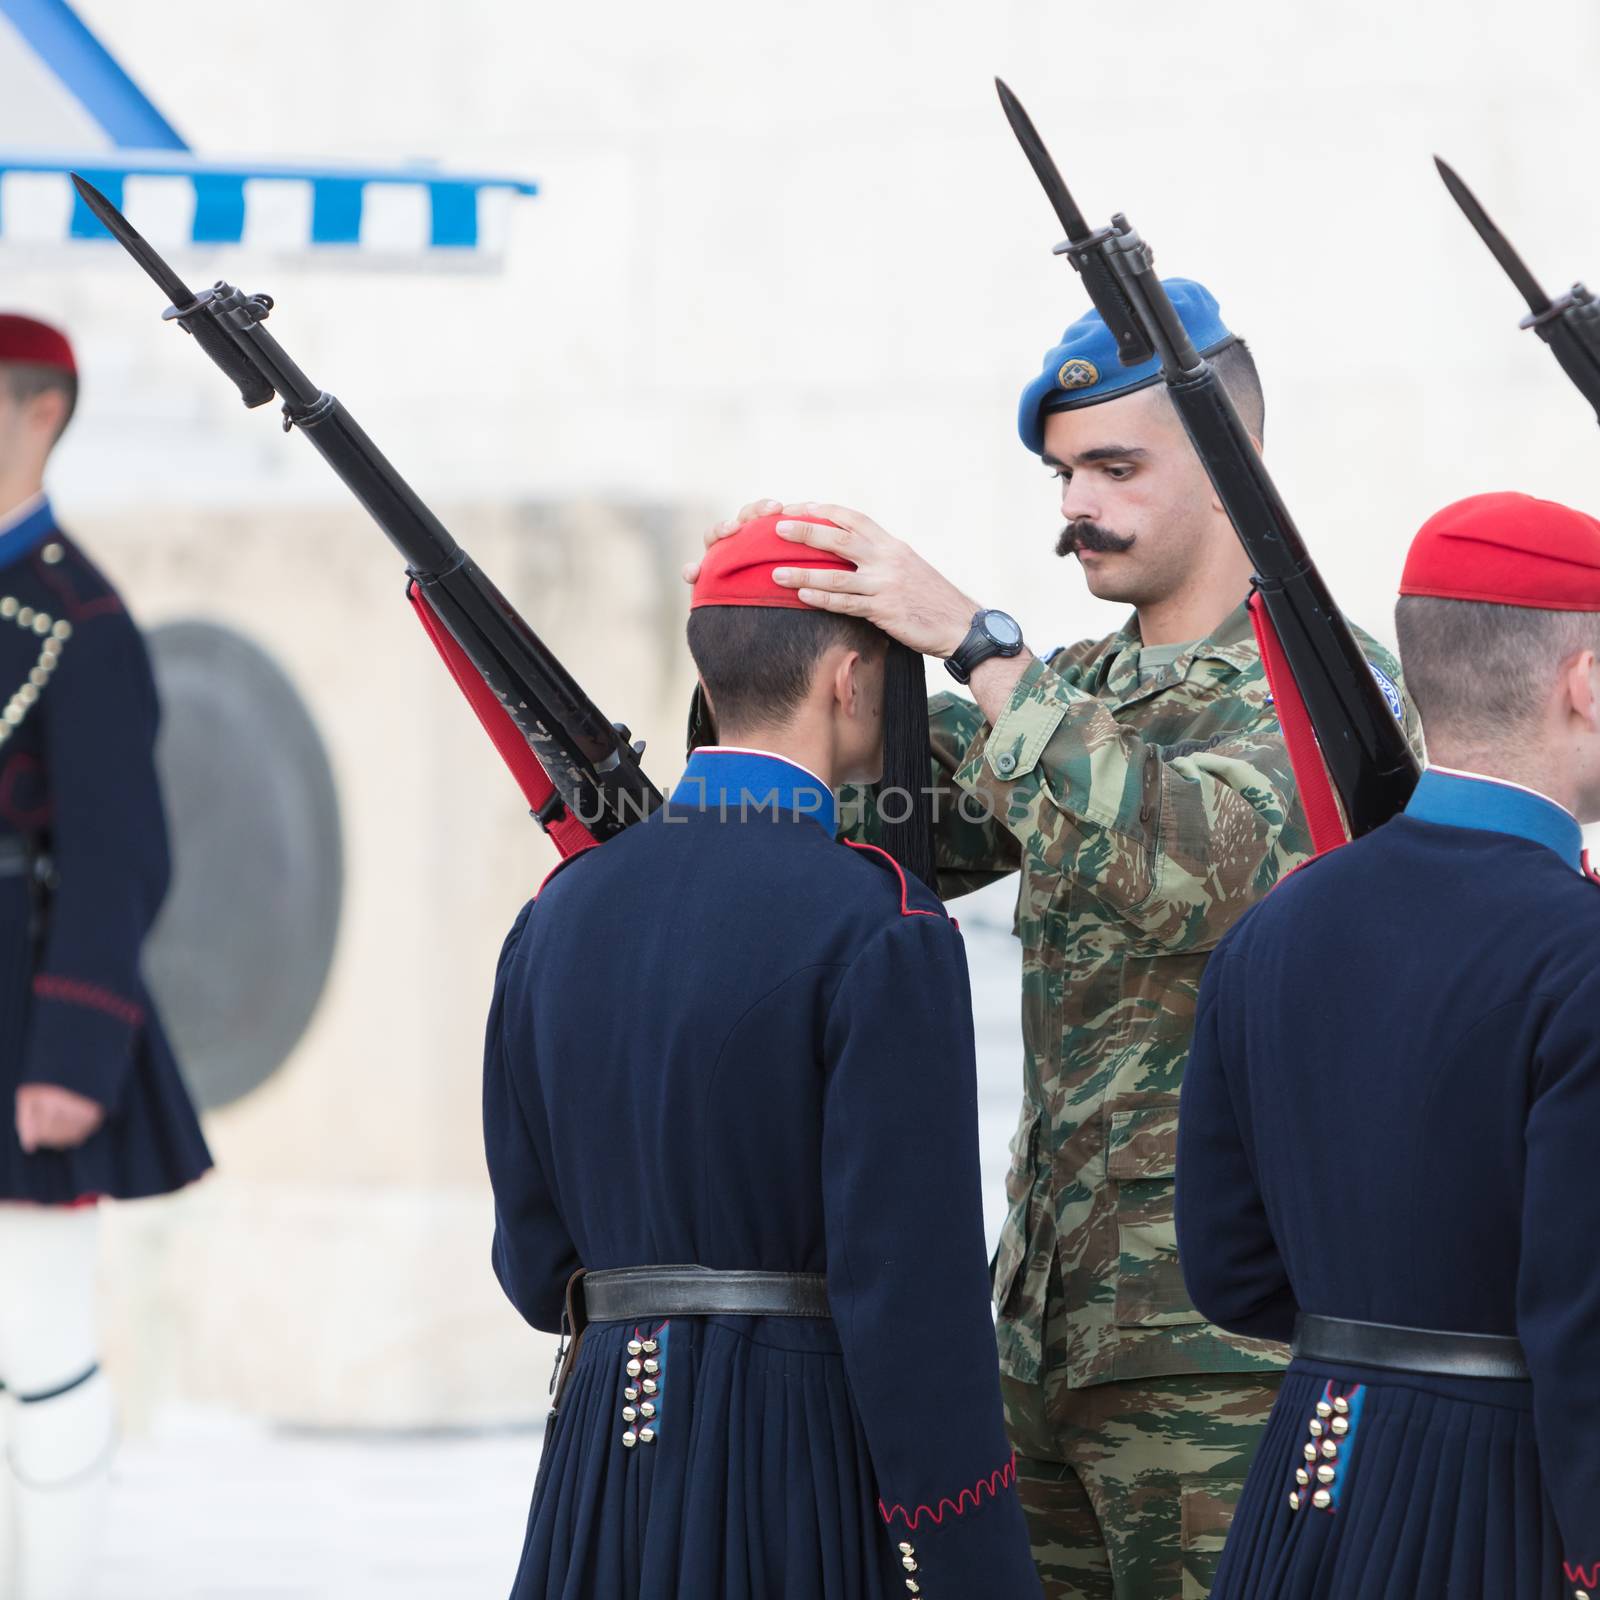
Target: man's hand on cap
x: 721, y: 530
x: 892, y: 586
x: 53, y: 1118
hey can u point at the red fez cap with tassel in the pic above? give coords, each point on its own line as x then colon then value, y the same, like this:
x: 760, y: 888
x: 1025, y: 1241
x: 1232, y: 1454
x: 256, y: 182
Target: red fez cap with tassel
x: 23, y: 339
x: 737, y: 571
x: 1508, y: 550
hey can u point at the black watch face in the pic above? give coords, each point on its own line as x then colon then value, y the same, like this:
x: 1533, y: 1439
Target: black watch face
x: 1002, y: 629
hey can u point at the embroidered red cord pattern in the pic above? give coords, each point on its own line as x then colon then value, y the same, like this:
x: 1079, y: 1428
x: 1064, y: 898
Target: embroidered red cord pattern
x: 75, y: 992
x: 1000, y: 1479
x: 65, y: 585
x: 906, y: 908
x: 1584, y: 1577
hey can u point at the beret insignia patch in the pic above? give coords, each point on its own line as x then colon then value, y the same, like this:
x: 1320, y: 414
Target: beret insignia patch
x: 1078, y: 374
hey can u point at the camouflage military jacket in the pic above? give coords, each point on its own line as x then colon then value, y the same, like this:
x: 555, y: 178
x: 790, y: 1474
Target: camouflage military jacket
x: 1144, y: 814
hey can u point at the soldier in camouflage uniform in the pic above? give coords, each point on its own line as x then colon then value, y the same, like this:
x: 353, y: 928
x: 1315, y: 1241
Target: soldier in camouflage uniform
x: 1140, y: 787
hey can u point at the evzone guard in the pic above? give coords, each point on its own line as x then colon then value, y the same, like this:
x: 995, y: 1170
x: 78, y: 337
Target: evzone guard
x: 730, y: 1114
x: 95, y: 1107
x: 1387, y: 1139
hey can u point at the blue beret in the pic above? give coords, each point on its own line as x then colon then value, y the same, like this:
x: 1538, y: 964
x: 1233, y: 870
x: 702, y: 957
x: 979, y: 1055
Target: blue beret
x: 1084, y: 368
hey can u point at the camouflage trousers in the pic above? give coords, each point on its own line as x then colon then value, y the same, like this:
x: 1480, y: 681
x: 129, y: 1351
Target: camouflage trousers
x: 1129, y: 1487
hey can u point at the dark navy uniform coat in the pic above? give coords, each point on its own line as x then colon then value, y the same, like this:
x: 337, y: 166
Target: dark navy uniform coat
x: 1392, y: 1114
x: 78, y: 787
x: 724, y: 1038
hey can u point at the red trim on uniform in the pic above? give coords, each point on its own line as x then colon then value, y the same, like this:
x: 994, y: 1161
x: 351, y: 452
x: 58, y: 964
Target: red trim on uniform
x: 565, y: 861
x: 25, y: 818
x: 59, y: 577
x: 1000, y: 1479
x: 906, y: 908
x: 1305, y: 754
x: 75, y: 992
x: 1584, y: 1577
x: 1588, y: 869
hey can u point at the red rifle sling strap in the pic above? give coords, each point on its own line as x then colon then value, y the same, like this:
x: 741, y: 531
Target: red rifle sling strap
x: 566, y: 832
x: 1305, y: 755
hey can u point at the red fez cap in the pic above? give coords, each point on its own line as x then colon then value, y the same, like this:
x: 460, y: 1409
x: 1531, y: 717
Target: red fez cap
x: 37, y: 343
x: 1508, y: 550
x: 737, y: 571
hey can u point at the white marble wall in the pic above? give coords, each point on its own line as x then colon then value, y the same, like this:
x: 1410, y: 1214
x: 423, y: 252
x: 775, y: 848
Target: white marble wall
x: 779, y: 249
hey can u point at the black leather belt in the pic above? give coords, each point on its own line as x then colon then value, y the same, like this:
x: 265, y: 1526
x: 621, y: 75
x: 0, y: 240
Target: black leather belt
x: 1378, y: 1344
x: 643, y: 1292
x: 627, y: 1294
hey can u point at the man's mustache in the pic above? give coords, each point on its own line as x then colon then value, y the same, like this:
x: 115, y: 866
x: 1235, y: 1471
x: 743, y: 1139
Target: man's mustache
x: 1078, y: 536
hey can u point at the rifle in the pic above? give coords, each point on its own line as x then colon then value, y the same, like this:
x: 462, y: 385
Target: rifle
x: 1570, y: 325
x: 1358, y: 732
x: 579, y: 772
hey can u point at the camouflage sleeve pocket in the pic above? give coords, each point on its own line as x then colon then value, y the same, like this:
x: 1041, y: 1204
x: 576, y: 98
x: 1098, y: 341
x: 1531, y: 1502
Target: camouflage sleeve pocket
x: 1141, y: 1162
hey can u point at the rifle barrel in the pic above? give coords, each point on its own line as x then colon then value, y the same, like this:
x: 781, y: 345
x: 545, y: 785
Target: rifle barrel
x: 594, y: 769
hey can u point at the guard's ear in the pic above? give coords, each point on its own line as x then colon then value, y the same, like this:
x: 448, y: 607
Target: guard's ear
x: 47, y: 413
x: 1581, y: 687
x: 847, y: 682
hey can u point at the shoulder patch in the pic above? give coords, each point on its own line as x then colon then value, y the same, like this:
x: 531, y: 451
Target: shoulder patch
x: 1391, y: 691
x: 562, y: 864
x: 883, y: 858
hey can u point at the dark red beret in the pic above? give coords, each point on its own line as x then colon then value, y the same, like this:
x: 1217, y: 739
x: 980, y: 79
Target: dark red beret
x: 737, y: 571
x: 1508, y: 550
x: 37, y: 343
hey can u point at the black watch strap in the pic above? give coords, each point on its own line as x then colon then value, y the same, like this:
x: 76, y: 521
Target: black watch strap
x: 982, y: 642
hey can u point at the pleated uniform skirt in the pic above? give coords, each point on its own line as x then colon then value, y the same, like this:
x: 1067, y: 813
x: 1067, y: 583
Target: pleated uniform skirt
x: 150, y: 1144
x: 1406, y: 1487
x: 753, y: 1483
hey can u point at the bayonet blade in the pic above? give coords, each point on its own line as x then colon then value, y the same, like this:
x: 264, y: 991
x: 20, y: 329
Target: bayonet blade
x: 135, y: 243
x: 1045, y: 169
x: 1499, y: 245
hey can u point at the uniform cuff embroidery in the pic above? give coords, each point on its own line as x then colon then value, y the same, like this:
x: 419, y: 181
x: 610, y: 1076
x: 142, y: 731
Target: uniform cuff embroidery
x: 75, y: 992
x: 1586, y: 1578
x: 1001, y: 1478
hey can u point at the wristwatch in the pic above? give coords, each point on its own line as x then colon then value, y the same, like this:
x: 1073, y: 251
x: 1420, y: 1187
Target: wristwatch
x: 993, y: 633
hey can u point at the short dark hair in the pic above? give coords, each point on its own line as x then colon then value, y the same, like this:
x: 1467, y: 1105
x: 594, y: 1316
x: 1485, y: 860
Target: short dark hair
x: 757, y: 661
x: 1478, y: 672
x: 1237, y: 369
x: 29, y: 379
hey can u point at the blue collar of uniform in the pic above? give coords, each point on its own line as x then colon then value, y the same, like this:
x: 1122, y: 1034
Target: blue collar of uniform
x: 1466, y: 800
x: 753, y: 781
x: 28, y: 531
